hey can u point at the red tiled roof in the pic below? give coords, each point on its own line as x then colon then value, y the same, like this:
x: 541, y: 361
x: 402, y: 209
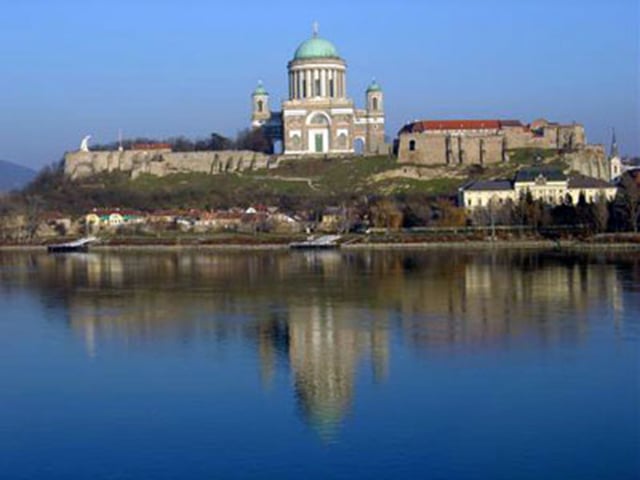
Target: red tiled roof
x: 424, y: 125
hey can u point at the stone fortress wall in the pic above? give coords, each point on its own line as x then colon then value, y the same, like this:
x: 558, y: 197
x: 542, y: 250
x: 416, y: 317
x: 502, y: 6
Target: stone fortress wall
x: 468, y: 142
x: 81, y: 164
x: 483, y: 142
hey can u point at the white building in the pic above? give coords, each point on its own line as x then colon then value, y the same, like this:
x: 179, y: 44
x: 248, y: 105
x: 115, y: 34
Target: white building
x: 551, y: 186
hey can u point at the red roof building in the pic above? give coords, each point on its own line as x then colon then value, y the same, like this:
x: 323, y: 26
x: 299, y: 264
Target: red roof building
x: 454, y: 125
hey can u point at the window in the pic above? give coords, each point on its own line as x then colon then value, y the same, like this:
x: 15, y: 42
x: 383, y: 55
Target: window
x: 374, y: 103
x: 319, y: 119
x: 260, y: 106
x: 331, y: 88
x: 304, y: 89
x: 412, y: 145
x: 318, y: 88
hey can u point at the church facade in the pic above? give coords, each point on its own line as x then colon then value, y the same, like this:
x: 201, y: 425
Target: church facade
x: 318, y: 117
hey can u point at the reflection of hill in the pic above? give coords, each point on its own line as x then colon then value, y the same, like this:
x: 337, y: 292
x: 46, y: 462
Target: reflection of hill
x: 460, y: 298
x: 321, y: 316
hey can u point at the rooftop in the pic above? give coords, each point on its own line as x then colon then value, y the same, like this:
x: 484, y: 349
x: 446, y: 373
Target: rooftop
x: 582, y: 181
x: 433, y: 125
x: 489, y: 186
x: 532, y: 174
x: 315, y: 47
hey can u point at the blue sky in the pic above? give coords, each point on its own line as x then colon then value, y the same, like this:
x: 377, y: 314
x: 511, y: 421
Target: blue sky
x: 161, y: 68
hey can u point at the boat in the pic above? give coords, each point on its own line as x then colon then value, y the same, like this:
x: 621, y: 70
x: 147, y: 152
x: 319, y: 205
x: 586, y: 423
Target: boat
x: 80, y: 245
x: 323, y: 242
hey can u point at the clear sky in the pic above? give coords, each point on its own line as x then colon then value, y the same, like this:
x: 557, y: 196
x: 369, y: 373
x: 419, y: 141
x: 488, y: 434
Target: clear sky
x: 161, y: 68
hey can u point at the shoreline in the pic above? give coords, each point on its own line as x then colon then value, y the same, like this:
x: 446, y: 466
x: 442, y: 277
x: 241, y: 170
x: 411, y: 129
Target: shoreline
x: 442, y: 245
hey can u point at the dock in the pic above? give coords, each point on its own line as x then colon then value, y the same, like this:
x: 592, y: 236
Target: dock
x: 80, y: 245
x: 316, y: 243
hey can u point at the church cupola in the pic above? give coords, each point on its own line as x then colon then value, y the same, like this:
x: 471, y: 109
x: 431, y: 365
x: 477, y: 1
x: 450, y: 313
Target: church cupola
x: 316, y: 72
x: 261, y: 110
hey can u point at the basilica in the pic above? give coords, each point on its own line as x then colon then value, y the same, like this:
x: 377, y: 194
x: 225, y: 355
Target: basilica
x: 318, y: 117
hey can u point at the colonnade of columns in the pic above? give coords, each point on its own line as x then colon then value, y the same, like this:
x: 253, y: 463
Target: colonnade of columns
x: 317, y: 82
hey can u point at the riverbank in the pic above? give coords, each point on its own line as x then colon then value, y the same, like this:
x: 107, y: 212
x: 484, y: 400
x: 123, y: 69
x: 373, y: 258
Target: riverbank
x: 568, y: 245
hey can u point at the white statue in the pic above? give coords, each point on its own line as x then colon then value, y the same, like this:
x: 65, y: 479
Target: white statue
x: 84, y: 145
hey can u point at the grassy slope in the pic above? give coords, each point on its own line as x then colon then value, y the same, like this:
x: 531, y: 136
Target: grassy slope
x: 295, y: 183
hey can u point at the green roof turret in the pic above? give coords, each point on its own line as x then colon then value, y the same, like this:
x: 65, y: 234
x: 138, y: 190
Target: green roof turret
x: 374, y: 87
x: 260, y: 90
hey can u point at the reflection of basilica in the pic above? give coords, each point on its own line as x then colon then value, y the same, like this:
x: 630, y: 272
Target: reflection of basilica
x: 321, y: 318
x: 325, y: 344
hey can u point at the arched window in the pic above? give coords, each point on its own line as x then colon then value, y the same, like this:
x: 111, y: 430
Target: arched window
x: 319, y: 119
x: 260, y: 106
x: 374, y: 103
x: 412, y: 145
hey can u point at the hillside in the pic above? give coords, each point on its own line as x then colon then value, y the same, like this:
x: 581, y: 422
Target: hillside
x: 14, y: 176
x: 294, y: 184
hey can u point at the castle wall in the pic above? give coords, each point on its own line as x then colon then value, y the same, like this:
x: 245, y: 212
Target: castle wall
x: 516, y: 137
x: 136, y: 162
x: 465, y: 146
x: 590, y: 161
x: 431, y: 149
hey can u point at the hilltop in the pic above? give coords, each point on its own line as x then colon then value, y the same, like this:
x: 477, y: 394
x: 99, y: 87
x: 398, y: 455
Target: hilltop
x: 294, y: 184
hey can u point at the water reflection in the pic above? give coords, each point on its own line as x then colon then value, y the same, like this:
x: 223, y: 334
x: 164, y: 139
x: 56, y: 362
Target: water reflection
x: 321, y: 317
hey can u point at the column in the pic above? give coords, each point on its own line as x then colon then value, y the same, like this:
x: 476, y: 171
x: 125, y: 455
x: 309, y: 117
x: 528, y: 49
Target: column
x: 324, y: 83
x: 316, y: 75
x: 294, y: 85
x: 329, y: 77
x: 344, y: 84
x: 300, y: 80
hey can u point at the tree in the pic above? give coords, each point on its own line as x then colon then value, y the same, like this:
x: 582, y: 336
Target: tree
x: 583, y: 210
x: 255, y: 140
x: 628, y: 200
x: 220, y: 142
x: 416, y: 212
x: 450, y: 215
x: 385, y: 213
x: 600, y: 213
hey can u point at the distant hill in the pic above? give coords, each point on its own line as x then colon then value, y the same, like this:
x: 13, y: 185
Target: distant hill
x: 14, y: 176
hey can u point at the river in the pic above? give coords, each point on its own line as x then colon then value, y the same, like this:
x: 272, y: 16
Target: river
x: 387, y: 364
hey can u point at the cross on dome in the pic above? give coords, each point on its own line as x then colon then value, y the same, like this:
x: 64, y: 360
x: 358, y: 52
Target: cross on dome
x: 316, y: 29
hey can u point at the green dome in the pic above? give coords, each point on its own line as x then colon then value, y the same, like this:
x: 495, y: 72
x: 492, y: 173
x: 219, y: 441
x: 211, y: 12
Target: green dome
x: 316, y: 47
x: 260, y: 90
x: 374, y: 87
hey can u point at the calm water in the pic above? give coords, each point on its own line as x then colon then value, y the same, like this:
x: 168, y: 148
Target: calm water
x: 440, y: 365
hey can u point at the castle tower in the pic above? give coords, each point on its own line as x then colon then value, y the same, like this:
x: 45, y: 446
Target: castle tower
x: 261, y: 110
x: 375, y: 116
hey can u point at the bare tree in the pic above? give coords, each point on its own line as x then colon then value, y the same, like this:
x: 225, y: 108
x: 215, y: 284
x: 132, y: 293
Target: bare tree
x: 629, y: 198
x: 600, y: 213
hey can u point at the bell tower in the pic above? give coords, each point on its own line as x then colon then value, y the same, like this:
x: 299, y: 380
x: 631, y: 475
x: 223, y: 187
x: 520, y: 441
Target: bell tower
x: 615, y: 162
x: 375, y: 118
x: 261, y: 111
